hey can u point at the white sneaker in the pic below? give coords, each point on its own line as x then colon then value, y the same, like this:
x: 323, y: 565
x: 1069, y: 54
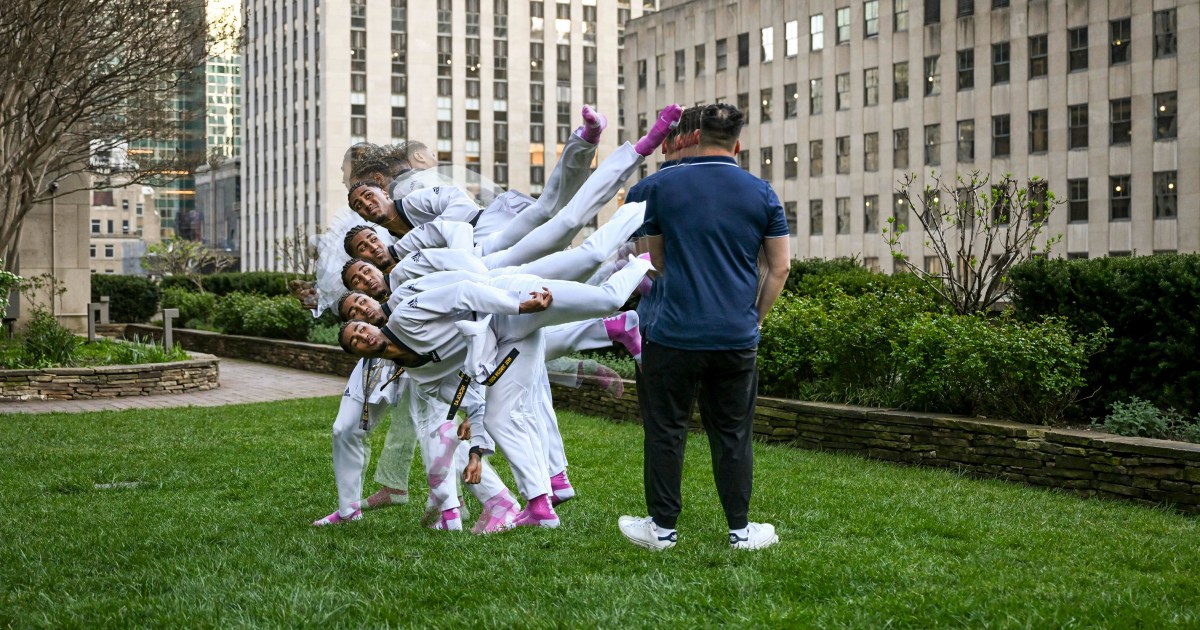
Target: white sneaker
x: 645, y: 534
x: 760, y: 535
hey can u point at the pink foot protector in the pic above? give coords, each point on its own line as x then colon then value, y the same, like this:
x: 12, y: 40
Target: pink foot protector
x: 537, y: 513
x: 384, y: 497
x: 623, y: 329
x: 336, y: 519
x: 668, y: 118
x: 593, y: 124
x: 602, y: 376
x: 499, y: 513
x: 561, y: 490
x: 450, y: 521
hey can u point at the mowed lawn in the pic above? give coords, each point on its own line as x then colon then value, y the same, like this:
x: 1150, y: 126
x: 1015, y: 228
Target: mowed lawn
x: 209, y: 526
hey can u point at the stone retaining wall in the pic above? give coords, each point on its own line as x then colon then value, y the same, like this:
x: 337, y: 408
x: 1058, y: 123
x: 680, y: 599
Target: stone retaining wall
x: 1084, y: 462
x: 198, y: 374
x: 301, y: 355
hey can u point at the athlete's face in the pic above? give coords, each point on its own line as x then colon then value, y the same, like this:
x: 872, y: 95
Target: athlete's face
x: 363, y: 340
x: 365, y: 277
x: 372, y: 204
x: 367, y: 246
x: 362, y: 308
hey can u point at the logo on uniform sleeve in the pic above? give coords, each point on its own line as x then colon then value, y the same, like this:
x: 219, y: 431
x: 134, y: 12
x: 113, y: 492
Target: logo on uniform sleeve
x: 413, y: 302
x: 347, y: 392
x: 437, y: 190
x: 416, y: 256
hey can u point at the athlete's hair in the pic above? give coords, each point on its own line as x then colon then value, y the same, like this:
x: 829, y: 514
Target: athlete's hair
x: 348, y: 243
x: 346, y: 267
x: 396, y: 157
x: 341, y: 301
x: 342, y: 335
x: 720, y: 126
x: 359, y: 184
x: 372, y: 161
x: 357, y: 149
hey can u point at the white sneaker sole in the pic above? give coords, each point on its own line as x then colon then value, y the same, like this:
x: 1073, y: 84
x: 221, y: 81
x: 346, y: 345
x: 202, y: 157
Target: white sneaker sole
x: 746, y: 544
x: 645, y: 544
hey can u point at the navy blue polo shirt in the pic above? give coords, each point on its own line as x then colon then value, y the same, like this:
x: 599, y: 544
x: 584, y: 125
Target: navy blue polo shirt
x: 713, y: 217
x: 645, y: 307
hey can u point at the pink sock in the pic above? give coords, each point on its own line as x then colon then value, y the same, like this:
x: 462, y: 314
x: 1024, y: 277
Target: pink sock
x: 593, y: 124
x: 602, y: 376
x: 653, y: 138
x: 623, y: 329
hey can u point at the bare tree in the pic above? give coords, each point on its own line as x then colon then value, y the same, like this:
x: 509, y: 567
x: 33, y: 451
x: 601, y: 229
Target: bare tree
x: 180, y: 257
x: 86, y: 80
x: 976, y: 232
x: 294, y: 253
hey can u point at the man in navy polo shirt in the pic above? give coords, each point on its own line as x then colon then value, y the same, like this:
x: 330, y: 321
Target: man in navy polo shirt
x: 707, y: 222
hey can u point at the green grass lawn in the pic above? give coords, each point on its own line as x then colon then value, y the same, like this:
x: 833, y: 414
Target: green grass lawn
x: 216, y: 533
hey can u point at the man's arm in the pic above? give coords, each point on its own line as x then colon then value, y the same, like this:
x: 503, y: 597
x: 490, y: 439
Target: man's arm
x: 778, y: 252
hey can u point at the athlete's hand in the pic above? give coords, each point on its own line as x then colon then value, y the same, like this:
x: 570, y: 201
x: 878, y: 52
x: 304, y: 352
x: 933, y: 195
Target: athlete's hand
x: 464, y: 430
x: 538, y: 302
x: 474, y: 470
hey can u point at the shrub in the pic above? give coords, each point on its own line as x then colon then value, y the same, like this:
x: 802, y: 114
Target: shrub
x: 195, y: 309
x: 1152, y: 305
x: 1140, y: 418
x: 324, y: 334
x: 970, y: 364
x: 268, y: 283
x: 46, y: 342
x: 132, y: 299
x: 257, y: 316
x: 847, y: 275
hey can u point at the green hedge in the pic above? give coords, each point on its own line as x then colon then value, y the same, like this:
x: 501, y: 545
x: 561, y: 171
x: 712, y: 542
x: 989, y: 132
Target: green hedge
x: 269, y: 283
x: 815, y: 276
x: 1152, y: 305
x: 903, y: 350
x: 132, y: 299
x: 279, y: 317
x: 193, y: 307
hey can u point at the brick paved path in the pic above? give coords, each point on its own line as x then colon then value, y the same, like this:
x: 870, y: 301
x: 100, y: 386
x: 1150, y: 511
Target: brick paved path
x: 241, y: 382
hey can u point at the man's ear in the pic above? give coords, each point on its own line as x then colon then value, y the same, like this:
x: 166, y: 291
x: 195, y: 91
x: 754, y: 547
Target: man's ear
x: 737, y: 147
x: 378, y: 178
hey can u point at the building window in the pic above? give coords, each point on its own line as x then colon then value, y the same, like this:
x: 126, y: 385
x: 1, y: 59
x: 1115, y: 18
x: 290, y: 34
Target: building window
x: 722, y: 55
x: 843, y: 91
x: 1165, y: 109
x: 110, y: 225
x: 791, y: 100
x: 965, y: 7
x: 816, y: 158
x: 766, y: 105
x: 1039, y: 131
x: 1165, y: 42
x: 641, y: 73
x: 1077, y: 49
x: 1001, y: 130
x: 743, y: 50
x: 92, y: 251
x: 870, y: 87
x: 1164, y: 195
x: 766, y: 157
x: 660, y: 68
x: 900, y: 149
x: 871, y: 18
x: 108, y: 251
x: 680, y: 65
x: 933, y: 76
x: 700, y: 60
x: 1077, y: 126
x: 1077, y: 200
x: 1120, y: 121
x: 1119, y: 49
x: 933, y: 138
x: 816, y: 89
x: 870, y: 152
x: 966, y: 69
x: 1119, y: 198
x: 95, y: 226
x: 900, y: 81
x: 1001, y: 54
x: 999, y: 4
x: 816, y: 218
x: 744, y: 160
x: 900, y: 19
x: 870, y: 214
x: 842, y: 149
x: 791, y: 161
x: 966, y: 141
x: 899, y: 212
x: 816, y: 29
x: 789, y: 212
x: 768, y: 44
x: 743, y: 103
x: 791, y: 34
x: 1039, y: 56
x: 842, y: 214
x: 843, y: 25
x: 933, y: 12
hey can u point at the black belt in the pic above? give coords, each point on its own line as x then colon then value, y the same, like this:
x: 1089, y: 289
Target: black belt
x: 465, y: 381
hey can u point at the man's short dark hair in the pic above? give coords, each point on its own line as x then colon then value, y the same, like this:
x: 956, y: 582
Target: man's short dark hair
x: 721, y: 125
x: 342, y: 335
x: 396, y: 157
x: 348, y: 243
x: 357, y: 149
x: 359, y: 184
x: 346, y: 267
x: 369, y: 162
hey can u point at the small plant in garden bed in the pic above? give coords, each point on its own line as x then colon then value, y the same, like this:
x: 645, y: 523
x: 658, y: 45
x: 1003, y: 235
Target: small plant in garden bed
x: 1140, y: 418
x: 14, y: 356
